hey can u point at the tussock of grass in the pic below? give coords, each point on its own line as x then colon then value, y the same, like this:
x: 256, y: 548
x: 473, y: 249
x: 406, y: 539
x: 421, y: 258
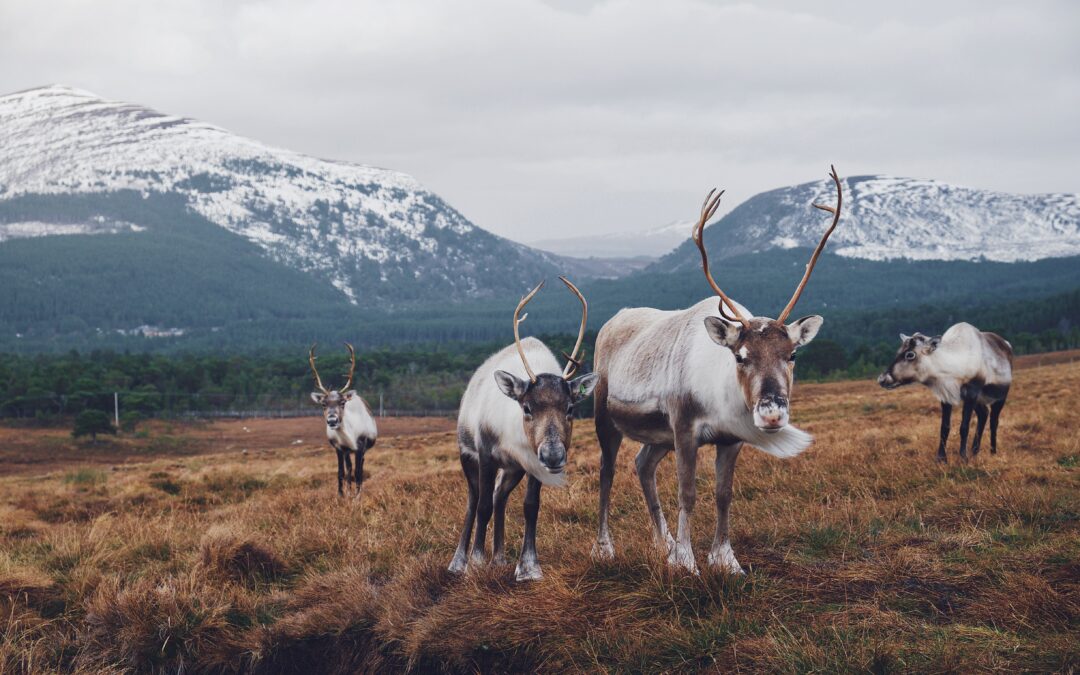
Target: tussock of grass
x: 864, y: 555
x: 230, y: 555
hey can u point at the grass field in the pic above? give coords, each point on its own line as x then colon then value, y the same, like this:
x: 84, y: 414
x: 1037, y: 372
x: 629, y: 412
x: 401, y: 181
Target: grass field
x: 213, y: 548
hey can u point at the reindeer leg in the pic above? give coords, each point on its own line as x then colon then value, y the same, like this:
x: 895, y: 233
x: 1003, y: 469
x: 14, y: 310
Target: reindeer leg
x: 472, y: 472
x: 946, y: 416
x: 981, y: 412
x: 648, y: 458
x: 358, y: 475
x: 686, y: 448
x: 340, y: 471
x: 995, y: 413
x: 721, y: 557
x: 965, y: 422
x: 505, y: 483
x: 610, y: 440
x: 528, y: 567
x: 348, y: 468
x: 486, y: 475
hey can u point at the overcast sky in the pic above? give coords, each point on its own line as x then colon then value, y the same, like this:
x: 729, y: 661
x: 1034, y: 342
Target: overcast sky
x: 541, y: 119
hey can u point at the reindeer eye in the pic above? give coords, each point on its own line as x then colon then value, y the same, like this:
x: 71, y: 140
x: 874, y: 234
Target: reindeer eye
x: 910, y: 356
x: 739, y: 358
x: 527, y: 410
x: 792, y: 357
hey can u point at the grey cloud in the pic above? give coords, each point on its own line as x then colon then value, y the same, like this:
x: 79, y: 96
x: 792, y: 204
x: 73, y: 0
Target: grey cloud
x: 541, y: 119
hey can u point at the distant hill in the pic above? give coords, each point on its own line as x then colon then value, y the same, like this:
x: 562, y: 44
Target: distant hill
x: 888, y: 218
x: 376, y: 235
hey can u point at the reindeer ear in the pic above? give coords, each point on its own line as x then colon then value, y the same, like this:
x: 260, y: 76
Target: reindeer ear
x: 511, y: 385
x: 581, y: 387
x: 318, y: 397
x: 904, y: 338
x: 934, y: 342
x: 348, y: 395
x: 805, y: 329
x: 722, y: 333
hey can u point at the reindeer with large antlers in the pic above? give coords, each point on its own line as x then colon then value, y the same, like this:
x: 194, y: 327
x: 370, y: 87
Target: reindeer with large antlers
x: 665, y: 383
x: 350, y: 428
x: 516, y: 418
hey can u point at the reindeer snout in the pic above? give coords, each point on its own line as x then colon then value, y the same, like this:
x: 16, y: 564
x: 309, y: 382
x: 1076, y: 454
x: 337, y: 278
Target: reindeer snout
x: 771, y: 413
x: 553, y: 456
x: 886, y: 380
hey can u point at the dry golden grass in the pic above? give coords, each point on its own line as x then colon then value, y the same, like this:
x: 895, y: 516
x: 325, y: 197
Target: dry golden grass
x: 865, y: 555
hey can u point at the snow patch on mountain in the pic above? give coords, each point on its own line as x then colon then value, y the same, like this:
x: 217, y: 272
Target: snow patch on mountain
x: 98, y: 225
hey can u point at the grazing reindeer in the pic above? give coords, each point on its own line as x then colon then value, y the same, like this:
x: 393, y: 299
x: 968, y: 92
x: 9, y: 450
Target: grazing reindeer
x: 665, y: 383
x: 350, y: 428
x: 965, y: 365
x: 514, y: 421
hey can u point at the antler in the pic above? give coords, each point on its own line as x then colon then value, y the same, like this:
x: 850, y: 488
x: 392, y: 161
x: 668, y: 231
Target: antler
x: 708, y: 208
x: 311, y: 360
x: 352, y: 366
x: 820, y: 247
x: 517, y: 338
x: 574, y: 362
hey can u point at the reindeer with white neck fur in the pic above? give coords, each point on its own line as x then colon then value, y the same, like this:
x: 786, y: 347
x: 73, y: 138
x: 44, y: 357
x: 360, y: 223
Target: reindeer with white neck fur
x: 350, y: 428
x: 516, y: 419
x: 964, y: 366
x: 676, y: 380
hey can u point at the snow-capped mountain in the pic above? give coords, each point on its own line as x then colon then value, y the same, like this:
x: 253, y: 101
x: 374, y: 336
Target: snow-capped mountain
x: 375, y: 234
x: 886, y: 218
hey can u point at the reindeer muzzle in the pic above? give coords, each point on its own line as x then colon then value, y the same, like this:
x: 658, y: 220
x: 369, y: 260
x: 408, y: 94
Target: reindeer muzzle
x: 771, y: 413
x: 887, y: 381
x: 553, y: 456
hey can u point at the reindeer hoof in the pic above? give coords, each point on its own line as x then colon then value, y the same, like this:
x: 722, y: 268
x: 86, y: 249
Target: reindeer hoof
x: 723, y: 560
x: 457, y: 565
x: 498, y: 559
x: 682, y: 558
x: 528, y: 571
x: 603, y: 550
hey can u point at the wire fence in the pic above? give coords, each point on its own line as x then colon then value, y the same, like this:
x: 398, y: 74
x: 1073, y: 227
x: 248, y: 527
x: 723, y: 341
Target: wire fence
x: 178, y: 405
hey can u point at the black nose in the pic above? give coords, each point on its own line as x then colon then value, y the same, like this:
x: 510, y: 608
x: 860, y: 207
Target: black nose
x: 553, y: 457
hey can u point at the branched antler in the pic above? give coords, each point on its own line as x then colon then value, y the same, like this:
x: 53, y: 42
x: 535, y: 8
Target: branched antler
x: 820, y: 247
x: 708, y: 208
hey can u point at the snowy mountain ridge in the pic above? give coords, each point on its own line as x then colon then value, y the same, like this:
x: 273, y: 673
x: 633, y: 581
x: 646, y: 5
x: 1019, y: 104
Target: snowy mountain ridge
x: 338, y: 220
x: 887, y: 218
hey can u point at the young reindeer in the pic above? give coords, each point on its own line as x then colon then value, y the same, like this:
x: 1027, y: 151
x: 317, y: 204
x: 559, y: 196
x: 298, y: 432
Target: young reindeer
x: 350, y: 428
x: 965, y: 365
x: 676, y: 380
x: 516, y: 417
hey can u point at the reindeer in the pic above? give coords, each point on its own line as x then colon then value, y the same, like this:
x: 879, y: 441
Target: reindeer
x: 514, y: 421
x: 665, y: 383
x: 965, y: 365
x: 350, y: 428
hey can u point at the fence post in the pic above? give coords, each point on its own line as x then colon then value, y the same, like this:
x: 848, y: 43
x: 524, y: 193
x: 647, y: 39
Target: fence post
x: 116, y: 408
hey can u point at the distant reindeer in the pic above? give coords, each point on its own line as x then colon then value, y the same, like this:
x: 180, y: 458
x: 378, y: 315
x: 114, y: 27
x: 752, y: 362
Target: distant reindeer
x: 666, y: 384
x: 350, y: 428
x: 965, y: 365
x: 516, y: 418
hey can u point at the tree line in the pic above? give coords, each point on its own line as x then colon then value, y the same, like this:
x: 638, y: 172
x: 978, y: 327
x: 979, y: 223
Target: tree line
x: 49, y: 387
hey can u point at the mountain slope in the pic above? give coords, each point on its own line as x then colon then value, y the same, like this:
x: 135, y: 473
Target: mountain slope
x: 376, y: 235
x: 887, y: 218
